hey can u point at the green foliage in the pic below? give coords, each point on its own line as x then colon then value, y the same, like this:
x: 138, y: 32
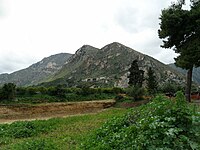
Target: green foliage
x: 136, y: 76
x: 39, y: 144
x: 58, y: 91
x: 20, y: 91
x: 31, y: 91
x: 62, y: 94
x: 135, y: 92
x: 87, y: 91
x: 58, y: 133
x: 179, y: 28
x: 152, y: 84
x: 42, y: 90
x: 24, y: 129
x: 160, y: 124
x: 170, y: 88
x: 8, y: 91
x: 74, y: 96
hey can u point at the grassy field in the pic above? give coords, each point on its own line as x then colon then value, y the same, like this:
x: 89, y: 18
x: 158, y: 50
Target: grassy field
x: 57, y: 133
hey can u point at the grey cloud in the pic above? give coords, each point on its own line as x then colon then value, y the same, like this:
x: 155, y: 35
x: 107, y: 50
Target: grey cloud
x: 10, y: 63
x: 2, y: 11
x: 1, y: 8
x: 153, y: 49
x: 6, y: 68
x: 128, y: 20
x: 134, y: 17
x: 141, y: 21
x: 167, y: 56
x: 152, y: 44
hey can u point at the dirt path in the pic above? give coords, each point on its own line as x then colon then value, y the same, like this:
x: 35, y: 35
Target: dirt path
x: 11, y: 113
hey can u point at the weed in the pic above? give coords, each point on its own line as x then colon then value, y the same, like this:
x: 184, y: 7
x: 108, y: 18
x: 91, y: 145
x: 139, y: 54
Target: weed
x: 160, y: 124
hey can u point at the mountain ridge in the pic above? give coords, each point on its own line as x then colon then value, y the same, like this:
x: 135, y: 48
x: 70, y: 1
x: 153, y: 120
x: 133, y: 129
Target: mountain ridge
x: 108, y: 66
x: 36, y: 72
x: 195, y: 74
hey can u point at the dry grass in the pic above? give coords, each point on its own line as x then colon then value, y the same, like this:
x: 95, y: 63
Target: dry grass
x: 11, y: 113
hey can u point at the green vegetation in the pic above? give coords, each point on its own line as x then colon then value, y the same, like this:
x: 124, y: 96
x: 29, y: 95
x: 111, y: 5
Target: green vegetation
x: 55, y: 94
x: 135, y: 93
x: 160, y: 124
x: 152, y: 83
x: 179, y: 29
x: 8, y: 91
x: 57, y: 133
x: 170, y: 87
x: 136, y: 76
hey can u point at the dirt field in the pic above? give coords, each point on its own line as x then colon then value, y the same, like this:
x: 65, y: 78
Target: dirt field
x: 11, y: 113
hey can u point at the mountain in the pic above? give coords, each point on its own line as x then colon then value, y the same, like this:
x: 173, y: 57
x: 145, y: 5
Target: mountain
x: 37, y: 72
x: 109, y: 66
x: 195, y: 73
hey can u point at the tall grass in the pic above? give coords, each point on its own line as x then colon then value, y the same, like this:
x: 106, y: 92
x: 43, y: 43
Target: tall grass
x: 57, y: 133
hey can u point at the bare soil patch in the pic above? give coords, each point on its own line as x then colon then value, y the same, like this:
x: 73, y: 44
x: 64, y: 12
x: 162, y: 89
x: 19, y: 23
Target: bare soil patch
x: 11, y: 113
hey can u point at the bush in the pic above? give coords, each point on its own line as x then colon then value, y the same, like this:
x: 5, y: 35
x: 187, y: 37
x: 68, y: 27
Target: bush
x: 42, y: 90
x: 20, y: 91
x: 160, y: 124
x: 8, y: 91
x: 31, y: 91
x: 117, y: 90
x: 24, y: 129
x: 170, y: 88
x: 58, y: 91
x: 119, y: 98
x: 135, y: 92
x: 87, y: 91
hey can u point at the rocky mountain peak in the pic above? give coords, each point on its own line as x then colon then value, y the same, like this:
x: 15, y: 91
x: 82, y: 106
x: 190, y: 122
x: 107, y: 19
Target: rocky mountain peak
x: 83, y: 53
x: 112, y: 46
x: 108, y: 66
x: 85, y: 49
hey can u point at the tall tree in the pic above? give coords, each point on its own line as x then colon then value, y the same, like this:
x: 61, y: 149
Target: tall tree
x: 180, y: 30
x: 152, y: 83
x: 136, y: 76
x: 9, y: 91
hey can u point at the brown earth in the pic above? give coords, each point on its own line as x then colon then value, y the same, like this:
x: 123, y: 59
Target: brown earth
x: 20, y: 112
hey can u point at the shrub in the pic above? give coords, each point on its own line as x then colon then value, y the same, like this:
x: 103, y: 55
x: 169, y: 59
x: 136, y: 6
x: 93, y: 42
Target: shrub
x: 8, y: 91
x: 58, y: 91
x: 135, y: 92
x: 117, y: 90
x: 107, y: 90
x: 160, y: 124
x: 31, y: 91
x: 20, y: 91
x: 25, y: 129
x: 119, y: 98
x: 170, y: 88
x: 42, y: 90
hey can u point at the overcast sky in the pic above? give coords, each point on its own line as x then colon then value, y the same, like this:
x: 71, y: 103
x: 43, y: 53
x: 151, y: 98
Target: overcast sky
x: 33, y: 29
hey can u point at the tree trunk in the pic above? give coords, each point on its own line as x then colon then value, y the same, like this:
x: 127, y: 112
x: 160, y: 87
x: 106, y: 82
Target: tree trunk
x: 188, y: 85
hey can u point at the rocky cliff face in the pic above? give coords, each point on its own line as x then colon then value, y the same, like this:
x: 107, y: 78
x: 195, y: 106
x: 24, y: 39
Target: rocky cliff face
x: 37, y: 72
x: 195, y: 74
x: 109, y: 66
